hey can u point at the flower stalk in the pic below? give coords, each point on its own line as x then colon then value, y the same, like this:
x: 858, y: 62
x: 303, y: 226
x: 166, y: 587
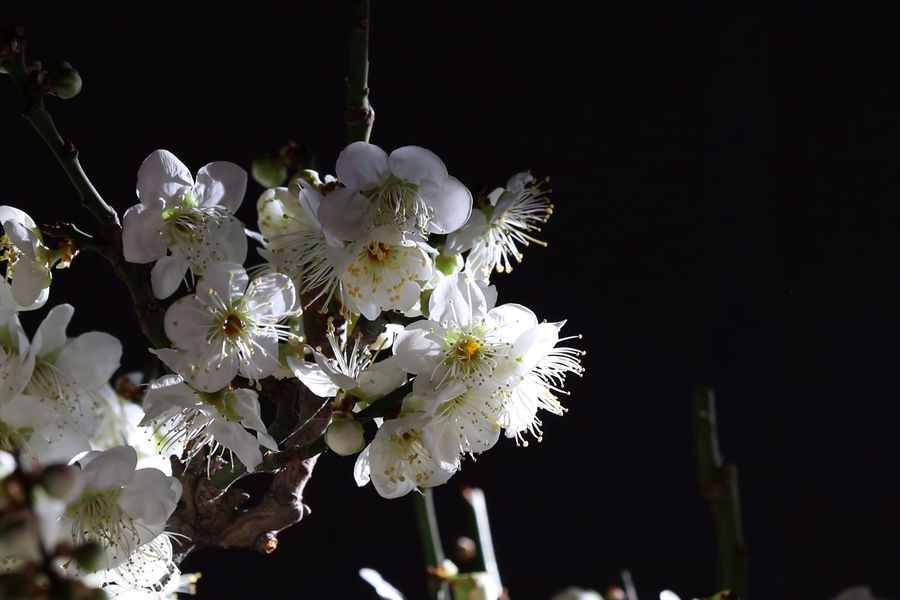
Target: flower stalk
x: 426, y: 519
x: 360, y: 115
x: 719, y: 486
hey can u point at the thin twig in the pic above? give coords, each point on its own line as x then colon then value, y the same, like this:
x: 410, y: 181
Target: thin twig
x: 426, y: 519
x: 719, y: 485
x: 360, y: 115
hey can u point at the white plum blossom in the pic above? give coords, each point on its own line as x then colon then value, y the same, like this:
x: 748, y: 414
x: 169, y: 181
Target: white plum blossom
x: 70, y: 372
x: 464, y: 419
x: 28, y: 260
x: 385, y: 272
x: 220, y: 419
x: 184, y: 223
x: 230, y: 325
x: 493, y: 233
x: 296, y: 244
x: 353, y: 370
x: 410, y: 190
x: 464, y: 339
x: 120, y: 508
x: 397, y: 461
x: 541, y: 372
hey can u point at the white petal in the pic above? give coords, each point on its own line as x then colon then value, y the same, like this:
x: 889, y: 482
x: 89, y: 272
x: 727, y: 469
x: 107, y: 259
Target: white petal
x: 23, y: 238
x: 11, y: 213
x: 142, y: 239
x: 462, y: 239
x: 221, y: 183
x: 248, y: 408
x: 109, y: 469
x: 51, y: 333
x: 187, y: 322
x: 222, y: 284
x: 361, y: 467
x: 313, y: 377
x: 668, y: 595
x: 381, y: 378
x: 151, y: 496
x: 362, y: 165
x: 211, y: 371
x: 534, y: 344
x: 459, y: 300
x: 271, y: 295
x: 166, y: 394
x: 344, y: 213
x: 167, y: 275
x: 28, y: 284
x: 343, y: 381
x: 264, y: 360
x: 237, y: 439
x: 417, y: 347
x: 162, y: 175
x: 511, y: 320
x: 92, y: 357
x: 452, y: 205
x: 418, y: 165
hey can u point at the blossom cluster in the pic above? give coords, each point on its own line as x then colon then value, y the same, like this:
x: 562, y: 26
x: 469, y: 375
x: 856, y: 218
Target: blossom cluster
x: 391, y: 240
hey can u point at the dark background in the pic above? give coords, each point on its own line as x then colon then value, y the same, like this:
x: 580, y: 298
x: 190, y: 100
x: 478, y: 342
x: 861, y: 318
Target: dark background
x: 726, y: 193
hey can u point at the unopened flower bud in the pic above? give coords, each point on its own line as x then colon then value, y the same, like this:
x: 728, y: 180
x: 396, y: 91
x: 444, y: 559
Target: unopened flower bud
x: 614, y: 592
x: 63, y: 80
x: 466, y: 549
x: 63, y: 482
x: 345, y: 436
x: 476, y: 586
x: 448, y: 264
x: 88, y: 556
x: 269, y: 171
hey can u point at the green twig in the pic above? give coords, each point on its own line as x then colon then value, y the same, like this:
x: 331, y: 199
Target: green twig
x: 383, y: 405
x: 719, y: 485
x: 426, y: 519
x: 64, y: 151
x: 360, y: 115
x: 136, y: 277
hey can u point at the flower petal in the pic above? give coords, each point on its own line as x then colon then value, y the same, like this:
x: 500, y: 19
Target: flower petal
x: 111, y: 468
x: 187, y: 323
x: 417, y: 347
x: 344, y: 213
x: 237, y: 439
x: 162, y: 175
x: 151, y: 496
x: 464, y: 238
x: 167, y: 275
x: 459, y: 300
x: 51, y: 333
x: 29, y: 284
x: 362, y: 165
x: 271, y: 295
x: 418, y: 165
x: 142, y: 239
x: 221, y: 183
x: 452, y: 205
x: 313, y: 377
x: 222, y: 284
x: 92, y: 357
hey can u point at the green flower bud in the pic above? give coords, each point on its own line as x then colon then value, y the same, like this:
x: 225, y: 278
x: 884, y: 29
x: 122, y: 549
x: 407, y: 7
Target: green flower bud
x: 63, y: 80
x: 88, y: 556
x: 448, y: 264
x: 63, y: 482
x: 269, y: 171
x: 476, y: 586
x: 345, y: 436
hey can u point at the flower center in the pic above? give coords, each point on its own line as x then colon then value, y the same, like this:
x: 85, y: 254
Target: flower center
x: 232, y: 325
x: 9, y: 252
x: 377, y: 252
x: 97, y: 517
x: 467, y: 349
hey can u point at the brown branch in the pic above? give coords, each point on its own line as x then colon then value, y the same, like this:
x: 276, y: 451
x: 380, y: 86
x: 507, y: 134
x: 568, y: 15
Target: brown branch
x: 209, y: 516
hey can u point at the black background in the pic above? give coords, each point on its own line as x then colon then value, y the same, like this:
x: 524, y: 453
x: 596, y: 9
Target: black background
x: 726, y: 191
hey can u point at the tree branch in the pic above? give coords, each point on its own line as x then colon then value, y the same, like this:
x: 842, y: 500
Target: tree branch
x: 719, y: 486
x: 360, y: 115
